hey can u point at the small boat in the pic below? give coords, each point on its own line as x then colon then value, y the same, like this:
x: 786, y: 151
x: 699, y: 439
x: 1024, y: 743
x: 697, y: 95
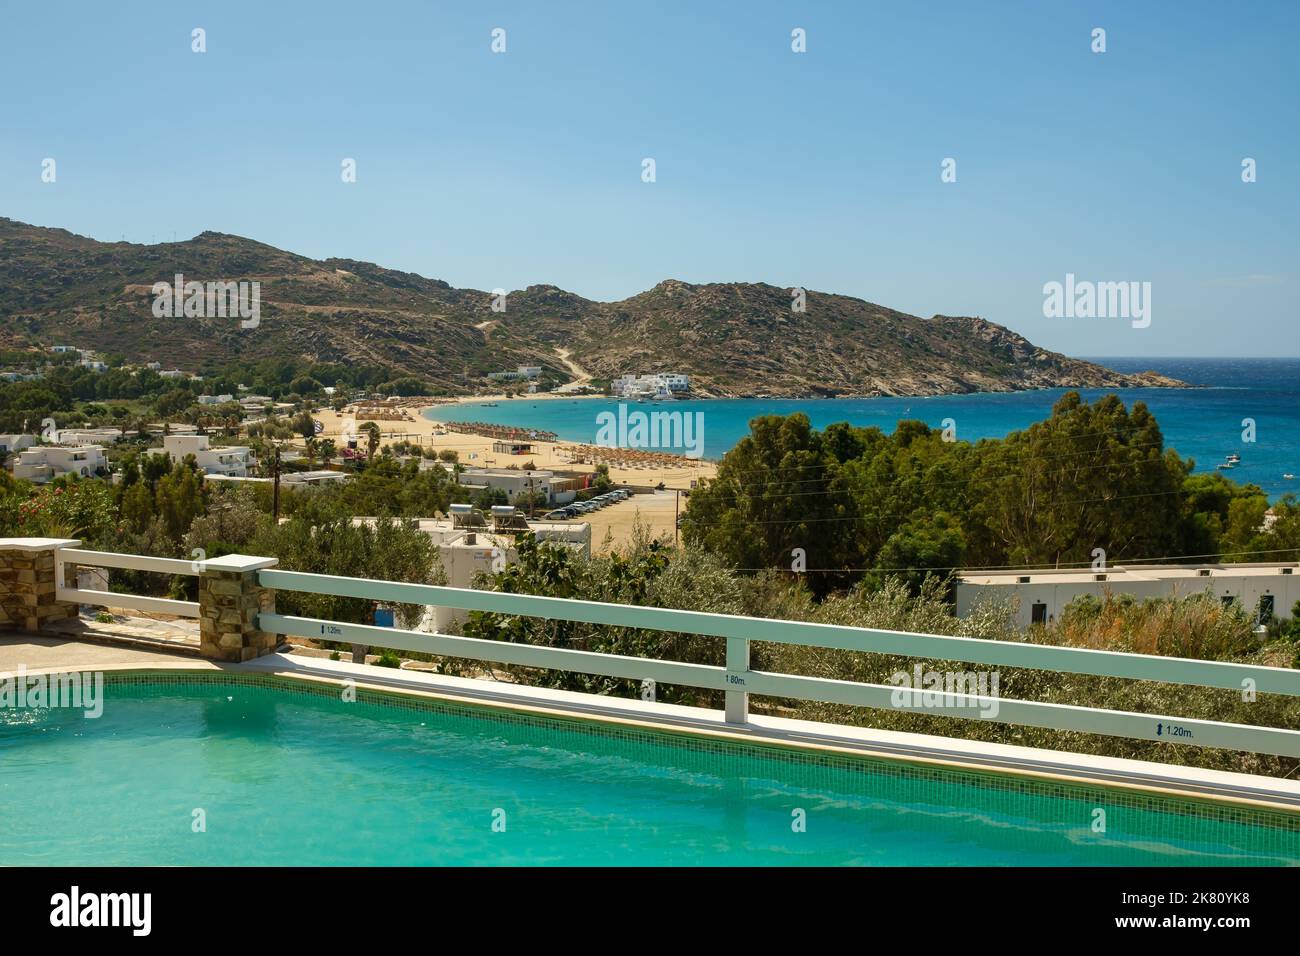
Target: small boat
x: 1288, y: 476
x: 1233, y: 459
x: 1226, y: 466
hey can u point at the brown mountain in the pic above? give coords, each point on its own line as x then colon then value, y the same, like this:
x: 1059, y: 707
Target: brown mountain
x: 732, y: 338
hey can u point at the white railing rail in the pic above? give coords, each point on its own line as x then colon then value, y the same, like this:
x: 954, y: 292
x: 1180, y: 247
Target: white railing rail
x: 80, y: 557
x: 738, y: 680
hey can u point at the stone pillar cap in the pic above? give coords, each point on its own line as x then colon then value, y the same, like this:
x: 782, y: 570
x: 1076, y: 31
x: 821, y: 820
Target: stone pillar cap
x: 238, y: 562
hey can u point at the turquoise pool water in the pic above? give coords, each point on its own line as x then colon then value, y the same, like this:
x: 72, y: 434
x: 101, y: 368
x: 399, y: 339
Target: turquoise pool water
x: 296, y: 776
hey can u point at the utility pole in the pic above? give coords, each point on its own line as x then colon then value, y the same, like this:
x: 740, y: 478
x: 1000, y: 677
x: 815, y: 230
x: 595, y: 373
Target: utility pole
x: 677, y: 507
x: 275, y: 492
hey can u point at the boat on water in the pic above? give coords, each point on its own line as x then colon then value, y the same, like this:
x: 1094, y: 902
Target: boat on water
x: 1288, y: 476
x: 1233, y: 459
x: 1226, y: 466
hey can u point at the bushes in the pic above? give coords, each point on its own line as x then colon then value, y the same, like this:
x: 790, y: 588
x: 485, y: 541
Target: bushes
x: 385, y: 550
x: 643, y: 574
x: 69, y: 508
x: 1196, y: 626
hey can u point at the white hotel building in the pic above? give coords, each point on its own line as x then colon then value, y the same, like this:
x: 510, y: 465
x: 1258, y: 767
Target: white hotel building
x: 521, y: 372
x: 661, y: 384
x: 43, y: 463
x: 233, y: 460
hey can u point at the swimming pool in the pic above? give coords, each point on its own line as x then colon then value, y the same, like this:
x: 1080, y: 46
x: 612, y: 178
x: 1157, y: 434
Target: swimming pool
x: 282, y: 772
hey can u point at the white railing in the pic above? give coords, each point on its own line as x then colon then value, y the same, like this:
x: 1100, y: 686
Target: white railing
x: 737, y: 680
x: 65, y: 557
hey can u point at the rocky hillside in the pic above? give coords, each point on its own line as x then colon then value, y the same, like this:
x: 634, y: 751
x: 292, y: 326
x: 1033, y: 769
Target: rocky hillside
x: 732, y: 338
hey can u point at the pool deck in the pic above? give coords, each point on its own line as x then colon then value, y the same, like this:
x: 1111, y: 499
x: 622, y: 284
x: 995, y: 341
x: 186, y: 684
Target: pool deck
x: 89, y: 645
x: 69, y: 652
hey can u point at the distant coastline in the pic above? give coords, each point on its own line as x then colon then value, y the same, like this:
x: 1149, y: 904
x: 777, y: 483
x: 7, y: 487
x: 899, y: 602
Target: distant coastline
x: 1202, y: 421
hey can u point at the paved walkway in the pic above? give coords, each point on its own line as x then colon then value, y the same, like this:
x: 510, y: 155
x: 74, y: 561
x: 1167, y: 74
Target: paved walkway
x: 88, y: 642
x: 71, y: 653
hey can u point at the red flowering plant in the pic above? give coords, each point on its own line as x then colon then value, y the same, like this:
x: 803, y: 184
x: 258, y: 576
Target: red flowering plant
x: 70, y: 508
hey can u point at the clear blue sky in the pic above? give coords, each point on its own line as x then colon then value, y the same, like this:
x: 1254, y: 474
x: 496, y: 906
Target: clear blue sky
x: 820, y: 169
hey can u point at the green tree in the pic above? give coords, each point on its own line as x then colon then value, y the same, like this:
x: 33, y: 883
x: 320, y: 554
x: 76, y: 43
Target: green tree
x: 323, y: 543
x: 1091, y: 476
x: 373, y: 436
x: 778, y: 490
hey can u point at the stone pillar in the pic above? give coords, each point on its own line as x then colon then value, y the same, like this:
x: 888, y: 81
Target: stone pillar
x: 229, y: 601
x: 28, y: 596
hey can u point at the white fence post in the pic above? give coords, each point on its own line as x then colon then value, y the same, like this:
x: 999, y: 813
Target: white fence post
x: 737, y: 676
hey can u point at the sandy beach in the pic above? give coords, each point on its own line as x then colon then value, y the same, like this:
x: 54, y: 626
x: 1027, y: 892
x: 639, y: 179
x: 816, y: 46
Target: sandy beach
x: 409, y: 423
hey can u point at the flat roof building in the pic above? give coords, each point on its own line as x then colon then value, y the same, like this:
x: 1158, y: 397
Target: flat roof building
x: 44, y: 463
x: 232, y: 460
x: 11, y: 443
x: 464, y: 550
x: 556, y: 489
x: 1264, y: 590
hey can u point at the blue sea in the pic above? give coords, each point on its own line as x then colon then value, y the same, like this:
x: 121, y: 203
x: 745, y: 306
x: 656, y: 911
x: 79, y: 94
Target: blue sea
x: 1202, y: 423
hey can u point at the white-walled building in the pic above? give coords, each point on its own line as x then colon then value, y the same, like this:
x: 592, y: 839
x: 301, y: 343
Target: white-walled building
x: 106, y: 435
x: 464, y: 550
x: 313, y: 478
x: 558, y: 490
x: 44, y: 463
x: 230, y: 460
x: 649, y: 386
x: 12, y: 443
x: 1262, y: 589
x: 520, y: 372
x: 288, y: 479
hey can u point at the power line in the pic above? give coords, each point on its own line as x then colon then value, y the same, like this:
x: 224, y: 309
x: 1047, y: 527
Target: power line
x: 1031, y: 569
x: 909, y: 514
